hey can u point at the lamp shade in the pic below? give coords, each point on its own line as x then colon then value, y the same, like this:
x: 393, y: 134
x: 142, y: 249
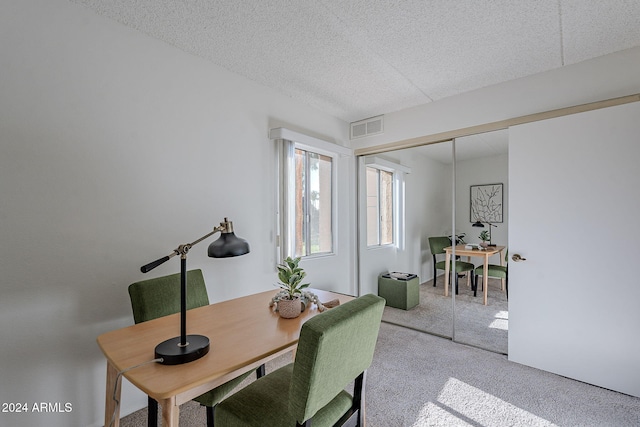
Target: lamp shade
x: 478, y: 224
x: 228, y: 245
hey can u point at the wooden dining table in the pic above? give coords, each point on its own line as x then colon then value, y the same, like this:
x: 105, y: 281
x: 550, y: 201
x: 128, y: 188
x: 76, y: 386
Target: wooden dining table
x: 244, y: 333
x: 485, y: 254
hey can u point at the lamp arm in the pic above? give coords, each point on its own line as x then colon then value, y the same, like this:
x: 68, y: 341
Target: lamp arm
x: 183, y: 249
x: 148, y: 267
x: 189, y: 245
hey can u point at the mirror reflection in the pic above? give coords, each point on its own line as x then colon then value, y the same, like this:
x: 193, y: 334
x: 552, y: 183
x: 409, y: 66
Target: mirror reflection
x: 482, y: 216
x: 426, y: 227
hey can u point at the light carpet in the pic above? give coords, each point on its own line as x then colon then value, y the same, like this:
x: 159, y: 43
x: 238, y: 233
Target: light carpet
x: 418, y: 379
x: 476, y: 324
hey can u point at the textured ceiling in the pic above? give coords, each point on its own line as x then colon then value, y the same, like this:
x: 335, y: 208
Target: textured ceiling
x: 359, y: 58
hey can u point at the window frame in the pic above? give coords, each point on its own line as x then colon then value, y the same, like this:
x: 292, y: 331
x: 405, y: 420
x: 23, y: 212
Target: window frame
x: 287, y: 141
x: 399, y: 171
x: 306, y: 221
x: 379, y: 203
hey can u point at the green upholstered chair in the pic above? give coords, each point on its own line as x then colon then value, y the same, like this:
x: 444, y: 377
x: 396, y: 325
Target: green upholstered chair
x: 159, y: 297
x: 497, y: 271
x: 437, y: 245
x: 335, y: 349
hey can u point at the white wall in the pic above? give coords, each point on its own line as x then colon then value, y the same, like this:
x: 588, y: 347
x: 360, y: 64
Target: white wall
x: 115, y: 148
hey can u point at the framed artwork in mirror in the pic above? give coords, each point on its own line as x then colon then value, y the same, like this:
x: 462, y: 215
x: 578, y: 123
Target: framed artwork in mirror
x: 486, y: 203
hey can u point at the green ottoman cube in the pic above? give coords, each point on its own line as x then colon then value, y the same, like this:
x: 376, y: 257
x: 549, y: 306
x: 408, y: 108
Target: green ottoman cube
x: 399, y: 293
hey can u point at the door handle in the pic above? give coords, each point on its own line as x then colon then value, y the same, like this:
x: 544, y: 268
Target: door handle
x: 517, y: 258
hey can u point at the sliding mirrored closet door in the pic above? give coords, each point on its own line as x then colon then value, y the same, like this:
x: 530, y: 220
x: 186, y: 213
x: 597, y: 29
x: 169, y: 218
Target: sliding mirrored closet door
x: 481, y: 203
x: 429, y: 195
x: 422, y: 209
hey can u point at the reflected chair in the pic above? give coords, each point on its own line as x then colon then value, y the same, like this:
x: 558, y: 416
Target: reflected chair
x: 437, y: 245
x: 159, y: 297
x: 496, y: 271
x: 335, y: 349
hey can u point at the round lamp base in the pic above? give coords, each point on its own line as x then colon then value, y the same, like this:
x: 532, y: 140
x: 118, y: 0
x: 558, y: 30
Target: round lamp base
x: 172, y: 353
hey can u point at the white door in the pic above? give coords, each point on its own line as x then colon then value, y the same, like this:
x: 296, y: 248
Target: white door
x: 574, y: 194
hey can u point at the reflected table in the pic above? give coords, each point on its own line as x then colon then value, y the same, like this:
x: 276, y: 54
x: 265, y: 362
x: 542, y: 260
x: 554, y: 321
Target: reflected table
x: 460, y: 250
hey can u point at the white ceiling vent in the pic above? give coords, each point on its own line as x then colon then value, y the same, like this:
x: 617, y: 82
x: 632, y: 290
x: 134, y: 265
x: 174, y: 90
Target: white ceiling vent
x: 367, y: 127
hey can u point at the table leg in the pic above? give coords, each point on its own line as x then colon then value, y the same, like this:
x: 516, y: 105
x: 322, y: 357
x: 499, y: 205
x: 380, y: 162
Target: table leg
x: 170, y: 412
x: 111, y: 410
x: 485, y: 278
x: 447, y: 268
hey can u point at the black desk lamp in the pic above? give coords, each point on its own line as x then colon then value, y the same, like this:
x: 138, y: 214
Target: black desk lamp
x: 187, y: 348
x: 480, y: 224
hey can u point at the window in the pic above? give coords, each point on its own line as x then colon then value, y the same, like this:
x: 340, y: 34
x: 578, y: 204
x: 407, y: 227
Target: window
x: 307, y: 193
x: 380, y: 203
x: 313, y: 203
x: 382, y: 186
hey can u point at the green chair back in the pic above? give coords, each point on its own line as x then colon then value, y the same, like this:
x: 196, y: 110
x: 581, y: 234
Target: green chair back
x: 334, y: 348
x: 159, y: 297
x: 437, y: 244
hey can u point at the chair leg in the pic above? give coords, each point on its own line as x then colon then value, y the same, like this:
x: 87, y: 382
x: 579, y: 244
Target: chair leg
x: 358, y: 397
x: 354, y: 417
x: 152, y: 412
x: 210, y: 413
x: 434, y: 271
x: 260, y: 371
x: 475, y: 285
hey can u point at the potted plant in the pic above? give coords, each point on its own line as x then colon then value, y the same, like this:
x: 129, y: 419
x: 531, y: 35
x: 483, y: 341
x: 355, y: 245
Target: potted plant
x: 484, y: 236
x: 290, y: 276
